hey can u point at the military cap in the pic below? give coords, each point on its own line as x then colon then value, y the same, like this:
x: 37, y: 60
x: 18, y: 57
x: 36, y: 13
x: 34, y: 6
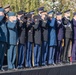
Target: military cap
x: 11, y: 14
x: 6, y: 6
x: 67, y: 11
x: 20, y: 12
x: 58, y: 13
x: 32, y: 12
x: 41, y: 9
x: 51, y: 12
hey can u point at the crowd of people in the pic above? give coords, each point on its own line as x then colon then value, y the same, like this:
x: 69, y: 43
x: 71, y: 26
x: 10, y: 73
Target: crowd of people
x: 36, y: 40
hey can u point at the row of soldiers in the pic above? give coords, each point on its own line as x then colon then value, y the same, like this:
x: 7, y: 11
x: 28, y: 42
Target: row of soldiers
x: 36, y: 40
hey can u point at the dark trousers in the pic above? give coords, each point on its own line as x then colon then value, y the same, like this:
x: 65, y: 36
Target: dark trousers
x: 44, y: 52
x: 21, y: 55
x: 11, y: 56
x: 2, y: 51
x: 28, y: 61
x: 51, y: 54
x: 74, y: 51
x: 66, y: 48
x: 59, y: 51
x: 37, y: 52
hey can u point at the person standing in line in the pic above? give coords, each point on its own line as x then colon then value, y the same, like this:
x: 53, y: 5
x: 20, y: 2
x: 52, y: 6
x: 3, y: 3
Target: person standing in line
x: 60, y: 37
x: 12, y: 28
x: 3, y: 36
x: 74, y: 38
x: 21, y: 39
x: 67, y: 34
x: 52, y: 37
x: 44, y: 32
x: 28, y: 62
x: 37, y: 40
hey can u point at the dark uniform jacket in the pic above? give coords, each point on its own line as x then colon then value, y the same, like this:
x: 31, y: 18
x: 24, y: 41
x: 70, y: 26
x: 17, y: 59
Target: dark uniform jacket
x: 74, y: 29
x: 44, y: 31
x: 52, y: 37
x: 21, y: 32
x: 29, y: 32
x: 60, y: 30
x: 37, y: 31
x: 67, y: 28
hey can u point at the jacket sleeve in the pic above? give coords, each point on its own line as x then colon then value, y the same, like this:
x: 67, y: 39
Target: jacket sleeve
x: 51, y: 24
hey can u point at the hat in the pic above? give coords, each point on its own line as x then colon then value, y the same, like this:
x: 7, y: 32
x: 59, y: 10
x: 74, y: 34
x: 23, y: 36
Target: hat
x: 74, y: 13
x: 32, y: 12
x: 2, y: 10
x: 6, y: 6
x: 41, y: 9
x: 20, y: 12
x: 67, y: 11
x: 51, y: 12
x: 58, y: 13
x: 11, y: 14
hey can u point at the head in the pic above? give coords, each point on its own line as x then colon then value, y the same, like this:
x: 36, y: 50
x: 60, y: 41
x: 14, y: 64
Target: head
x: 67, y: 14
x: 12, y: 17
x: 29, y: 17
x: 20, y: 14
x: 7, y: 8
x: 44, y: 15
x: 40, y: 10
x: 50, y: 14
x: 59, y: 16
x: 74, y: 15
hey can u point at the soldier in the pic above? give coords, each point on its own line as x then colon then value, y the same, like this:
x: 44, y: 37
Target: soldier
x: 67, y: 35
x: 37, y: 40
x: 74, y: 38
x: 11, y: 54
x: 21, y: 39
x: 44, y: 38
x: 3, y: 36
x: 52, y: 40
x: 29, y: 41
x: 60, y: 35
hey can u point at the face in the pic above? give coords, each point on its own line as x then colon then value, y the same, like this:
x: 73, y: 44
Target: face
x: 67, y: 14
x: 12, y: 18
x: 59, y: 17
x: 50, y: 15
x: 7, y: 9
x: 74, y: 17
x: 19, y: 16
x: 1, y: 14
x: 43, y: 15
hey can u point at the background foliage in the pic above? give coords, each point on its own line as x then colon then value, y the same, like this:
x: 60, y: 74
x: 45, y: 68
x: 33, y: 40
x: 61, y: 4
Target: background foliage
x: 28, y: 5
